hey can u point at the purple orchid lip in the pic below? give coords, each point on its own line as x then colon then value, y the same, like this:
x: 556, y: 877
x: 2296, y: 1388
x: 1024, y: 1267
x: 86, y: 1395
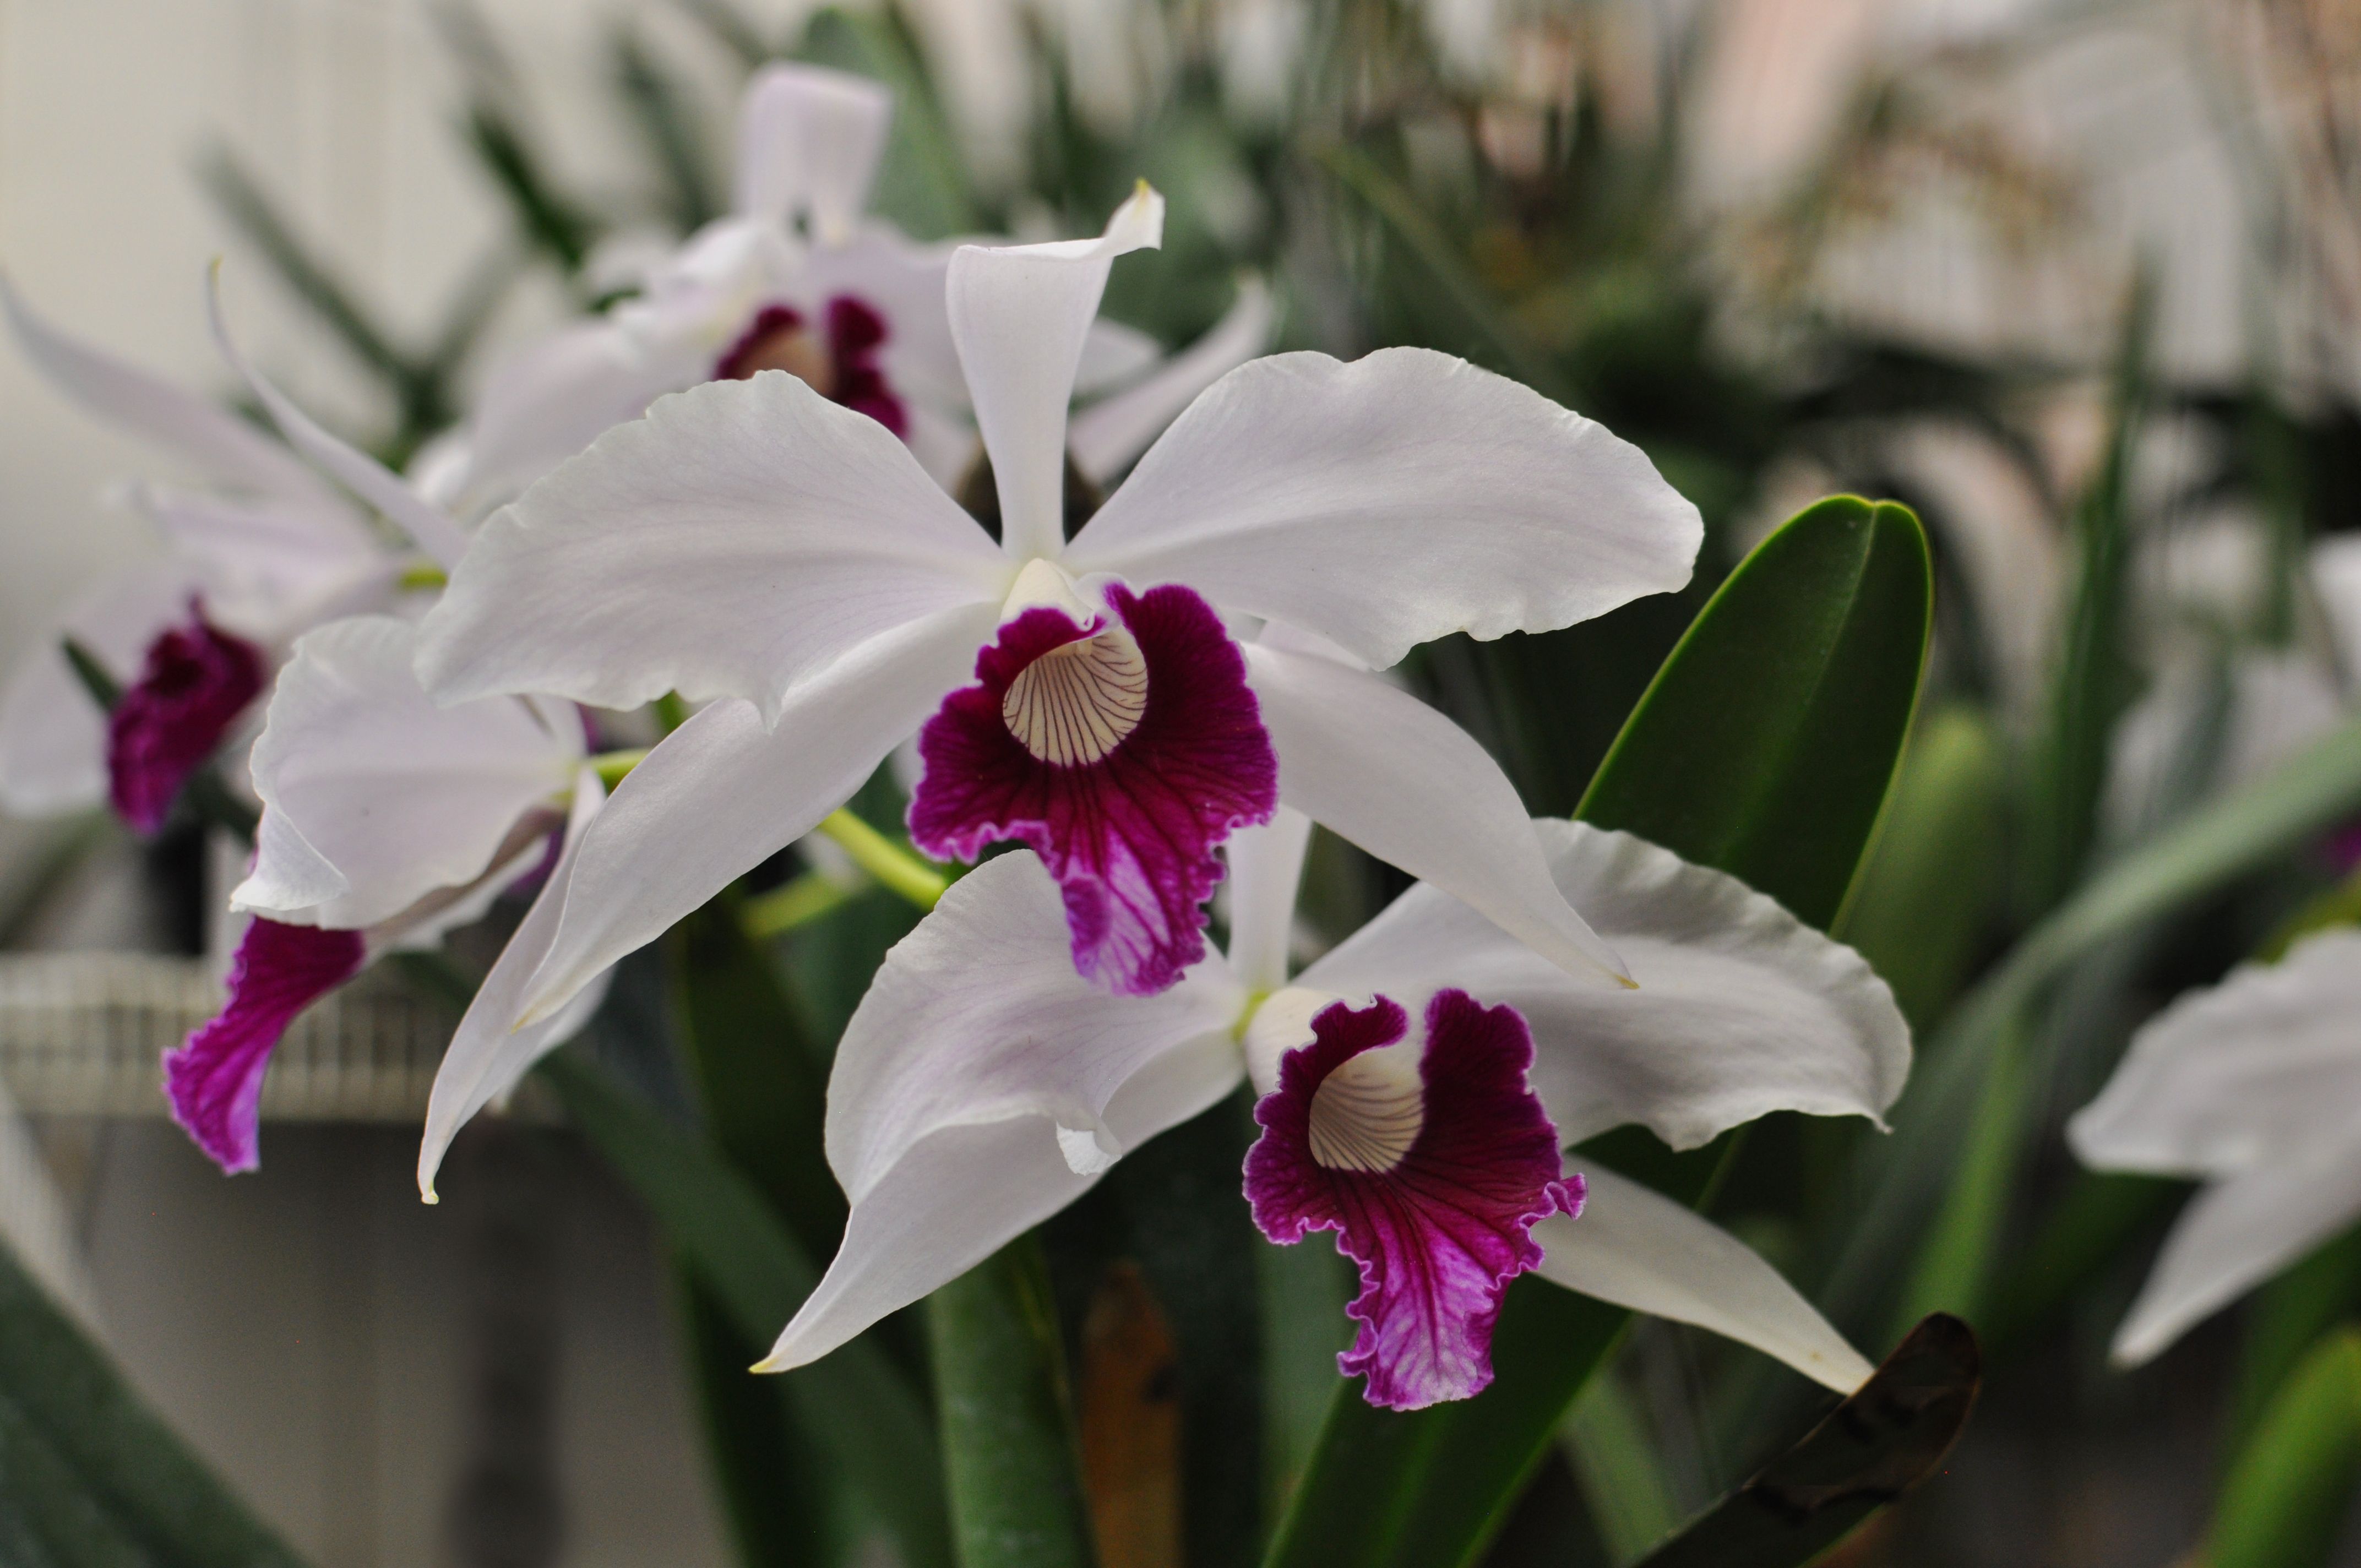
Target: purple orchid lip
x: 1432, y: 1170
x: 838, y: 362
x: 1122, y: 752
x: 194, y: 683
x: 214, y: 1079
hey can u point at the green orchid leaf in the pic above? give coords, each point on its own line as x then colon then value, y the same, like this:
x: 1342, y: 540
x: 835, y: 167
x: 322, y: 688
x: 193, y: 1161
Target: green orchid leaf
x: 1929, y: 891
x: 90, y: 1478
x: 1008, y: 1436
x: 761, y: 1097
x: 1765, y: 746
x: 1798, y: 680
x: 2286, y: 1495
x: 1884, y: 1440
x: 856, y: 1402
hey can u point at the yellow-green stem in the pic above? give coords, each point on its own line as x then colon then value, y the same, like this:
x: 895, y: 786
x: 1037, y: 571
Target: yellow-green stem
x: 798, y: 902
x: 894, y: 866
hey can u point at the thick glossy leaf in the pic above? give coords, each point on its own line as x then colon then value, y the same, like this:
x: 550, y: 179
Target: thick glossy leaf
x: 1763, y: 748
x: 718, y: 1222
x: 1927, y: 894
x: 88, y: 1472
x: 2286, y: 1493
x: 1008, y: 1439
x: 1871, y: 1449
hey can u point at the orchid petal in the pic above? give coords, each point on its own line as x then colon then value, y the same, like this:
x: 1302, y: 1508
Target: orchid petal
x: 1113, y: 356
x: 1392, y: 500
x: 269, y: 568
x: 549, y: 400
x: 52, y: 735
x: 487, y: 1057
x: 732, y: 544
x: 2336, y: 578
x: 904, y: 284
x: 400, y: 797
x: 982, y: 1086
x: 1387, y: 771
x: 723, y: 791
x: 1266, y: 865
x: 213, y: 1080
x: 224, y: 445
x: 195, y: 684
x: 425, y: 525
x: 1741, y: 1008
x: 2236, y: 1233
x: 1107, y: 436
x: 2259, y: 1069
x: 1019, y: 315
x: 1637, y: 1248
x: 809, y: 139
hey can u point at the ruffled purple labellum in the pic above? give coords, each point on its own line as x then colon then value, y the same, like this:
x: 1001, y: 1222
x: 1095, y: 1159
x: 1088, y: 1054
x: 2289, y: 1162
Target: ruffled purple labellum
x: 1123, y: 752
x: 195, y: 681
x: 838, y: 362
x: 1434, y: 1171
x: 214, y: 1079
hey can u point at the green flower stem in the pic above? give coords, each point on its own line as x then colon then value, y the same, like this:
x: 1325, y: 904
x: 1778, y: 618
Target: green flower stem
x: 894, y: 865
x: 613, y: 766
x: 1009, y: 1456
x: 798, y: 902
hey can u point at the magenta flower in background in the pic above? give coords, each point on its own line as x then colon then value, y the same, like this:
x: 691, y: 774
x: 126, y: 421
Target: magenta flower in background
x: 213, y: 1081
x: 795, y: 279
x: 195, y: 684
x: 385, y: 821
x: 263, y: 551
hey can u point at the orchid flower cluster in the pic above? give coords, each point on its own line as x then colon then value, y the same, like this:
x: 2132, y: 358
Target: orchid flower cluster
x: 735, y: 491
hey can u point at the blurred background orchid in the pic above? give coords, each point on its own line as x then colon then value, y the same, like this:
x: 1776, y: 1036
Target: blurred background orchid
x: 2061, y: 741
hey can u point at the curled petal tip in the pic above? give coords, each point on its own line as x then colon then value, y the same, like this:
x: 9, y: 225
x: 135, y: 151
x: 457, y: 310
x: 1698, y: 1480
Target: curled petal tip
x: 429, y: 1196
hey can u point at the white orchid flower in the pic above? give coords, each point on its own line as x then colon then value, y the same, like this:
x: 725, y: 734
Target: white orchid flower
x: 795, y: 279
x: 1418, y: 1085
x: 385, y: 821
x: 2249, y: 1087
x: 754, y: 546
x: 262, y: 552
